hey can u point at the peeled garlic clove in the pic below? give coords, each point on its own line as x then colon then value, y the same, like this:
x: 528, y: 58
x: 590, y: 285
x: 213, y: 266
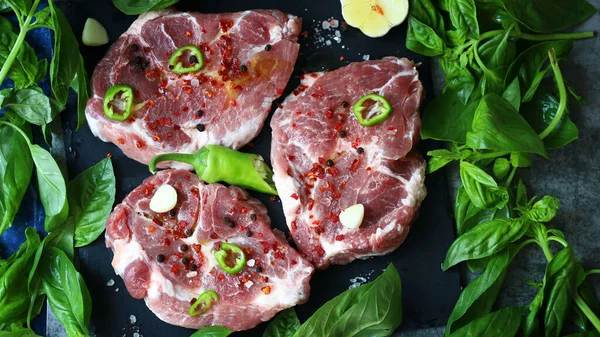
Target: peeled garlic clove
x: 352, y: 217
x: 94, y: 34
x: 374, y: 18
x: 164, y: 199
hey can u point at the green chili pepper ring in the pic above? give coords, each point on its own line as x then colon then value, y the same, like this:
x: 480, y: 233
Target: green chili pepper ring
x: 221, y: 257
x: 214, y: 163
x: 126, y: 95
x: 177, y: 65
x: 386, y: 110
x: 204, y: 301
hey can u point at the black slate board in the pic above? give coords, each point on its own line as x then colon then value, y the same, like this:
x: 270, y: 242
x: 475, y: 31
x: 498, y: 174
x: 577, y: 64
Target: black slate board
x: 428, y: 293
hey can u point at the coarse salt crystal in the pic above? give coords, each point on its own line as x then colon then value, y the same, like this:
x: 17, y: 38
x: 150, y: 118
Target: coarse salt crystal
x: 132, y: 319
x: 192, y: 274
x: 338, y: 34
x: 110, y: 283
x: 251, y: 263
x: 328, y: 42
x: 135, y: 334
x: 249, y: 284
x: 117, y: 290
x: 335, y: 23
x: 325, y: 24
x: 366, y: 57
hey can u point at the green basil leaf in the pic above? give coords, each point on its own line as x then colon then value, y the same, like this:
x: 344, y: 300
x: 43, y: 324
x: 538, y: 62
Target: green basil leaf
x: 24, y: 69
x: 135, y: 7
x: 485, y: 240
x: 5, y: 24
x: 498, y: 126
x: 512, y: 94
x: 15, y: 293
x: 546, y: 16
x: 527, y: 67
x: 91, y: 198
x: 375, y: 302
x: 502, y: 323
x: 482, y: 189
x: 544, y: 210
x: 64, y: 65
x: 43, y: 18
x: 212, y: 331
x: 31, y: 105
x: 458, y: 79
x: 563, y: 276
x: 463, y: 15
x: 67, y: 293
x: 16, y: 167
x: 498, y: 53
x: 19, y: 332
x: 285, y: 324
x: 532, y: 324
x: 425, y: 12
x: 585, y: 334
x: 501, y: 168
x: 63, y: 239
x: 540, y: 112
x: 447, y: 118
x: 576, y: 315
x: 520, y: 159
x: 422, y: 39
x: 491, y: 15
x: 478, y: 297
x: 81, y: 85
x: 441, y: 158
x: 521, y: 197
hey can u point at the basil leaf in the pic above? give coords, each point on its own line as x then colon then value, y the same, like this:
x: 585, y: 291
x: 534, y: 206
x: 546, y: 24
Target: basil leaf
x: 19, y: 332
x: 485, y: 240
x: 496, y: 54
x: 502, y: 323
x: 520, y: 159
x: 91, y: 197
x: 544, y: 210
x: 425, y: 29
x: 43, y: 18
x: 563, y: 276
x: 501, y: 168
x: 135, y: 7
x: 540, y: 112
x: 31, y: 105
x: 521, y: 197
x: 458, y: 79
x: 585, y: 334
x: 447, y: 118
x: 24, y: 69
x: 67, y: 293
x: 63, y: 67
x: 527, y: 67
x: 81, y: 85
x: 512, y: 94
x: 531, y: 325
x: 15, y: 293
x: 375, y: 302
x: 16, y: 168
x: 441, y: 158
x: 546, y: 16
x: 285, y: 324
x: 482, y: 189
x: 63, y: 239
x: 498, y: 126
x: 212, y: 331
x: 478, y: 297
x: 576, y: 315
x: 463, y: 15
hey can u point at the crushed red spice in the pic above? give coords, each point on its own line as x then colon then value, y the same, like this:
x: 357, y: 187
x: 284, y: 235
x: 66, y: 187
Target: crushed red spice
x: 266, y: 290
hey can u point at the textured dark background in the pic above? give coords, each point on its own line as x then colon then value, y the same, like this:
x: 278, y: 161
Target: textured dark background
x: 428, y: 293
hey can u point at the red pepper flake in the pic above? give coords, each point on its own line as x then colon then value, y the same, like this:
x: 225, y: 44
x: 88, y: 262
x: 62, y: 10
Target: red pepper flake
x: 377, y: 9
x: 156, y: 138
x: 298, y: 113
x: 369, y: 169
x: 251, y: 145
x: 244, y: 210
x: 355, y: 165
x: 279, y: 91
x: 149, y: 189
x: 304, y: 33
x: 329, y: 114
x: 320, y: 251
x: 158, y: 222
x: 221, y: 277
x: 121, y: 141
x: 166, y: 242
x: 208, y: 93
x: 333, y: 171
x: 336, y: 195
x: 151, y: 229
x: 356, y: 143
x: 309, y: 114
x: 273, y: 198
x: 232, y: 102
x: 197, y: 247
x: 294, y: 225
x: 244, y: 279
x: 175, y: 269
x: 316, y: 222
x: 318, y: 87
x: 214, y: 236
x: 109, y: 155
x: 311, y: 204
x: 294, y: 196
x: 188, y: 34
x: 279, y: 255
x: 266, y: 290
x: 341, y: 58
x: 391, y: 129
x: 339, y: 237
x: 338, y: 126
x: 139, y: 144
x: 195, y: 192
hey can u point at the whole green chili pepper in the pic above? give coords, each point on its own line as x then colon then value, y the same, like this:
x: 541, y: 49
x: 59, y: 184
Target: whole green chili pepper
x: 109, y: 98
x: 385, y: 109
x: 196, y: 60
x: 222, y: 255
x: 204, y: 301
x: 214, y: 163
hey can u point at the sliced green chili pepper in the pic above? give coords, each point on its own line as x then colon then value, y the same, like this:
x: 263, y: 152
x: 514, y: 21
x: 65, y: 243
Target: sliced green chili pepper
x: 214, y: 163
x: 222, y: 255
x: 385, y: 108
x: 196, y: 60
x: 204, y: 301
x: 126, y: 95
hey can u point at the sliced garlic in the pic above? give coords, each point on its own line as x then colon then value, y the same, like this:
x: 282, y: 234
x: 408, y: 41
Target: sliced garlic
x: 164, y: 199
x: 374, y: 18
x: 352, y: 217
x: 94, y: 34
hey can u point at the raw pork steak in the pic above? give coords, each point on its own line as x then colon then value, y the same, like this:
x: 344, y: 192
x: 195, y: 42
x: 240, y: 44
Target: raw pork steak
x: 325, y: 161
x: 249, y: 58
x: 275, y: 277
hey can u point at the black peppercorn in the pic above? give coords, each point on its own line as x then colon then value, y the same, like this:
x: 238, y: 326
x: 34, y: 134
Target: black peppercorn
x: 330, y: 163
x: 249, y: 233
x: 194, y: 59
x: 172, y: 213
x: 138, y: 60
x: 360, y: 150
x: 243, y: 68
x: 268, y: 47
x: 184, y: 248
x: 253, y: 217
x: 229, y: 222
x: 160, y: 258
x: 201, y: 127
x: 189, y: 232
x: 342, y: 133
x: 135, y: 47
x: 344, y: 104
x: 185, y: 261
x: 199, y: 113
x: 193, y: 267
x: 259, y: 269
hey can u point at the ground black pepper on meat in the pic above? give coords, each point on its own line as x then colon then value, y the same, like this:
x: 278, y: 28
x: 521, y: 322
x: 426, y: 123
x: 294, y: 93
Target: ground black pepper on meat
x: 201, y: 127
x: 160, y: 258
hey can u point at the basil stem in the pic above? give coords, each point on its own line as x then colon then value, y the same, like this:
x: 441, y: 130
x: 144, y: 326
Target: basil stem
x: 562, y: 91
